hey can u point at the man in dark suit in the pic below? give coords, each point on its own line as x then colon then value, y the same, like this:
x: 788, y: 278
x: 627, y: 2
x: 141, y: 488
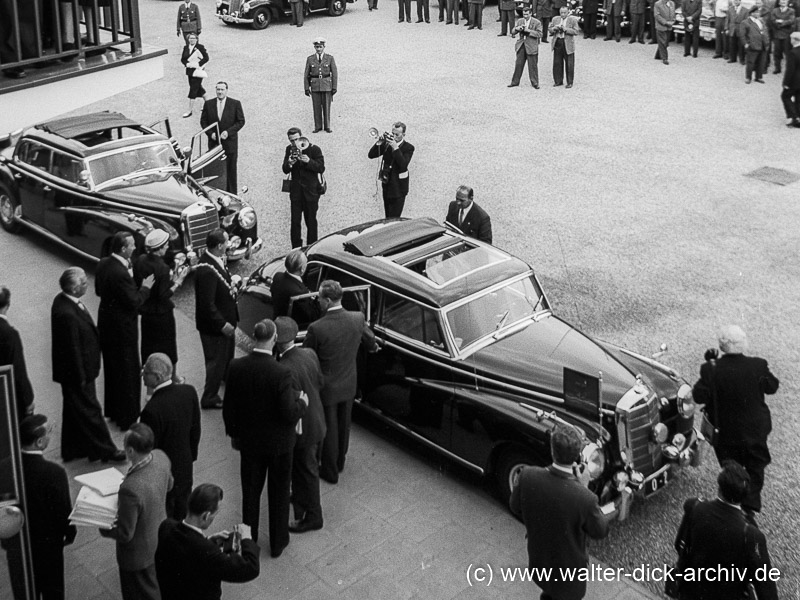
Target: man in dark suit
x: 783, y: 23
x: 191, y: 565
x: 559, y: 513
x: 791, y: 82
x: 732, y: 388
x: 48, y: 508
x: 613, y: 10
x: 305, y: 163
x: 11, y: 353
x: 262, y: 407
x: 320, y: 79
x: 228, y: 113
x: 142, y: 497
x: 288, y: 284
x: 173, y: 414
x: 467, y: 216
x: 717, y: 533
x: 692, y: 9
x: 395, y: 153
x: 307, y: 376
x: 118, y: 324
x: 216, y: 315
x: 590, y: 8
x: 76, y: 365
x: 637, y: 8
x: 526, y: 48
x: 336, y: 338
x: 543, y: 12
x: 754, y: 37
x: 664, y: 15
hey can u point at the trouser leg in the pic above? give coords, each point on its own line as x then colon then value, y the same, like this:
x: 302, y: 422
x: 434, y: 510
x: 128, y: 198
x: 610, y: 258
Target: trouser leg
x: 279, y: 477
x: 533, y: 69
x: 316, y: 103
x: 326, y: 109
x: 519, y: 65
x: 719, y: 40
x: 305, y: 484
x: 330, y: 446
x: 295, y: 227
x: 570, y: 62
x: 343, y: 416
x: 558, y: 61
x: 310, y: 207
x: 231, y: 158
x: 545, y: 24
x: 253, y: 471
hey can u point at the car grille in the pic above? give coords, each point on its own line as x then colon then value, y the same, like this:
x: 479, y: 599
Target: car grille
x: 200, y: 220
x: 634, y: 426
x: 235, y: 6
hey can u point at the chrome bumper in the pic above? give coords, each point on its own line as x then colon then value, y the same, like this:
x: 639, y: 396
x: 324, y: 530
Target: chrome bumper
x: 230, y: 19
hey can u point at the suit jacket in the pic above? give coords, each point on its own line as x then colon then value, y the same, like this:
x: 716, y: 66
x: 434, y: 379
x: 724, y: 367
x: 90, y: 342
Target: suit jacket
x: 529, y: 38
x: 232, y: 120
x: 508, y: 5
x: 718, y: 534
x: 304, y: 175
x: 320, y: 75
x: 120, y: 298
x: 76, y: 343
x: 543, y: 9
x: 740, y: 382
x: 283, y: 287
x: 189, y: 565
x: 200, y: 56
x: 614, y: 7
x: 307, y: 376
x: 692, y: 10
x: 477, y: 223
x: 791, y: 77
x: 757, y: 38
x: 734, y: 19
x: 189, y: 20
x: 571, y: 29
x: 336, y: 338
x: 664, y: 14
x: 173, y: 414
x: 142, y: 502
x: 11, y: 354
x: 559, y: 514
x: 396, y: 161
x: 215, y: 302
x: 590, y: 7
x: 638, y: 7
x: 784, y: 29
x: 49, y: 504
x: 262, y: 405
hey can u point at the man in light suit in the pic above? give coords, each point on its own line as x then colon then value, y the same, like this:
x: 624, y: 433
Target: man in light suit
x: 395, y: 153
x: 664, y: 15
x: 216, y: 315
x: 228, y: 113
x: 11, y: 353
x: 692, y: 9
x: 288, y: 284
x: 307, y: 375
x: 76, y: 365
x: 470, y: 218
x: 527, y: 47
x: 563, y: 30
x: 754, y: 36
x: 559, y: 513
x: 118, y: 325
x: 189, y: 20
x: 791, y: 83
x: 320, y: 80
x: 613, y: 10
x: 336, y: 338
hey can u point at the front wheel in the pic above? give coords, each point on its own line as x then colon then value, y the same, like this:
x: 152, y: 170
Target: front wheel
x: 262, y: 17
x: 10, y: 210
x: 337, y: 8
x: 509, y: 467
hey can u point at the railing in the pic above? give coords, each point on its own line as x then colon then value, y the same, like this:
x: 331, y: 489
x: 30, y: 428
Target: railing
x: 41, y: 31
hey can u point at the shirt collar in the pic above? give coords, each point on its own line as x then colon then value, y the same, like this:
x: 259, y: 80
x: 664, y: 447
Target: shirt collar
x: 285, y: 352
x: 161, y: 386
x: 466, y: 210
x: 563, y: 469
x: 39, y: 452
x: 263, y: 351
x: 73, y: 298
x: 141, y: 464
x: 197, y: 529
x: 123, y: 260
x: 333, y: 308
x: 736, y: 506
x: 4, y: 317
x: 300, y: 279
x: 216, y: 259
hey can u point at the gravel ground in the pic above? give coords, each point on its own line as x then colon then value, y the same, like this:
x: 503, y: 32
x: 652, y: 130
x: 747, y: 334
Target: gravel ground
x: 626, y: 192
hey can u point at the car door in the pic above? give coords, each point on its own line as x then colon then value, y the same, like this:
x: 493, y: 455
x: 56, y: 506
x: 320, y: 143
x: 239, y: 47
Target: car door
x: 68, y: 212
x: 205, y: 163
x: 32, y: 176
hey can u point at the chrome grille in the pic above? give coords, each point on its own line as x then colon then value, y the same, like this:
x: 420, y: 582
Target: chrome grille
x: 634, y: 426
x: 199, y: 220
x: 235, y: 6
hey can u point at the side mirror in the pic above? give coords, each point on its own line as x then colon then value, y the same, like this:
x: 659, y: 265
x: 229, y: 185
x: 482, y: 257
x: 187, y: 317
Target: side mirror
x: 245, y: 189
x: 662, y: 349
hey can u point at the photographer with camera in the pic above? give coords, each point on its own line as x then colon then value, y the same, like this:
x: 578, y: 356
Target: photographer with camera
x: 395, y: 155
x: 191, y: 565
x: 563, y: 30
x: 526, y: 47
x: 304, y: 161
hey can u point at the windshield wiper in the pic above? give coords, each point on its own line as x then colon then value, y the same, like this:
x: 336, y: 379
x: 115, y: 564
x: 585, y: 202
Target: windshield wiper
x: 502, y: 320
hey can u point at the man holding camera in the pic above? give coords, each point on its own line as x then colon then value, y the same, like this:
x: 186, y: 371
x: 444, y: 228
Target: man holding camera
x: 320, y: 80
x: 527, y: 47
x: 305, y: 162
x: 563, y: 30
x: 396, y: 153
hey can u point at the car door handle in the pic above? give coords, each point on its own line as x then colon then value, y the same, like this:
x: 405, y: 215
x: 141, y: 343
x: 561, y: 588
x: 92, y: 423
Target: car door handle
x: 17, y: 176
x: 47, y: 188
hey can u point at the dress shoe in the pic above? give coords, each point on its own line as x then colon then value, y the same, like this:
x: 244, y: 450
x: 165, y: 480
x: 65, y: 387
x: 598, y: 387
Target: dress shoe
x: 501, y: 35
x: 632, y: 41
x: 448, y: 23
x: 317, y: 130
x: 418, y: 21
x: 685, y: 54
x: 732, y: 61
x: 557, y: 84
x: 748, y: 81
x: 665, y: 61
x: 498, y: 20
x: 441, y: 20
x: 717, y: 56
x: 694, y: 55
x: 641, y: 41
x: 544, y: 41
x: 328, y: 130
x: 480, y: 28
x: 427, y: 20
x: 304, y: 525
x: 408, y: 20
x: 607, y: 39
x: 569, y: 85
x: 651, y: 42
x: 470, y: 27
x: 331, y: 480
x: 760, y: 81
x: 776, y: 71
x: 15, y: 73
x: 794, y: 123
x: 536, y: 87
x: 186, y: 115
x: 214, y: 404
x: 300, y: 25
x: 400, y: 20
x: 276, y: 552
x: 512, y: 85
x: 117, y: 456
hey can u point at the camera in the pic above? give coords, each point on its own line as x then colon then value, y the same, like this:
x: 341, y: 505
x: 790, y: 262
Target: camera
x: 232, y: 543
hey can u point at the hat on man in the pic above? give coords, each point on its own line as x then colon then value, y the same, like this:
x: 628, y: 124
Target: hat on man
x: 287, y: 329
x: 155, y: 239
x: 319, y: 40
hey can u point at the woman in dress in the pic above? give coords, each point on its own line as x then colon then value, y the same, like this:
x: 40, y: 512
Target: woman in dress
x: 194, y: 57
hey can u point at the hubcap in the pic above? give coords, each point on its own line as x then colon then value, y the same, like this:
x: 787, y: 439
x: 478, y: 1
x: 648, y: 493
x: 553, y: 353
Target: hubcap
x: 7, y: 211
x: 513, y: 475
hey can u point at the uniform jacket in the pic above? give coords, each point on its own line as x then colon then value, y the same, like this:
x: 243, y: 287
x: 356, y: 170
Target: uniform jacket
x: 262, y: 405
x: 215, y: 303
x: 638, y: 7
x: 615, y: 7
x: 756, y: 37
x: 784, y: 29
x: 543, y: 10
x: 307, y: 375
x: 718, y: 534
x: 692, y: 10
x: 160, y: 299
x: 531, y: 40
x: 477, y: 223
x: 304, y: 175
x: 142, y: 508
x: 336, y: 338
x: 232, y: 120
x: 11, y: 354
x: 397, y: 163
x: 320, y: 75
x: 571, y: 29
x: 791, y: 77
x: 76, y: 343
x: 664, y: 14
x: 559, y: 514
x: 741, y: 382
x: 189, y: 19
x: 173, y: 414
x: 189, y: 565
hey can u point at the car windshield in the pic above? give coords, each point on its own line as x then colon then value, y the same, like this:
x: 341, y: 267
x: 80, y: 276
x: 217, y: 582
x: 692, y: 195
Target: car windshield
x: 130, y: 162
x: 493, y: 311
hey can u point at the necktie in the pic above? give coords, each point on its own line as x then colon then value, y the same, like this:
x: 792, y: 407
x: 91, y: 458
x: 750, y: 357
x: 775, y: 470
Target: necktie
x: 460, y: 217
x: 82, y: 306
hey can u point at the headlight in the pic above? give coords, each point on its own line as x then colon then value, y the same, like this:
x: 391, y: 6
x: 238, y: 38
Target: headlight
x: 679, y: 441
x: 594, y: 459
x: 246, y: 7
x: 686, y: 405
x: 247, y: 217
x: 660, y: 433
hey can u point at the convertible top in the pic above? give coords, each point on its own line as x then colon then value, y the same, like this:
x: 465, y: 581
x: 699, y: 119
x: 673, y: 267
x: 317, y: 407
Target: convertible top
x: 74, y: 127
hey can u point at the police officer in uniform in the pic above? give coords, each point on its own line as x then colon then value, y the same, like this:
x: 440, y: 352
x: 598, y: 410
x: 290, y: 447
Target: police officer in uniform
x: 189, y: 19
x: 320, y: 81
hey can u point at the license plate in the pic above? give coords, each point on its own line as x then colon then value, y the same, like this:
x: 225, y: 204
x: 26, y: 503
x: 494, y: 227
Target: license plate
x: 651, y: 486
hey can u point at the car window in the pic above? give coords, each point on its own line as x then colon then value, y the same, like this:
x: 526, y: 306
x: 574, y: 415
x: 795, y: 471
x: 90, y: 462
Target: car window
x: 22, y: 150
x: 128, y: 161
x: 67, y: 167
x: 39, y: 157
x: 411, y: 320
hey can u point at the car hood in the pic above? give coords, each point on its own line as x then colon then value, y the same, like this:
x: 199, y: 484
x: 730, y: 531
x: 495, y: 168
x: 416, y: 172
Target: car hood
x: 168, y: 194
x: 535, y: 357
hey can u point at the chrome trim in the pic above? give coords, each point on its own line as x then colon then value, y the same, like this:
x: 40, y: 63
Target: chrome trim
x: 411, y: 341
x: 653, y: 363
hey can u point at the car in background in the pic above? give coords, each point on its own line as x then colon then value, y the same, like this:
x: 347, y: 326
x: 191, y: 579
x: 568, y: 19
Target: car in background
x: 474, y: 363
x: 79, y: 180
x: 708, y: 30
x: 260, y: 13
